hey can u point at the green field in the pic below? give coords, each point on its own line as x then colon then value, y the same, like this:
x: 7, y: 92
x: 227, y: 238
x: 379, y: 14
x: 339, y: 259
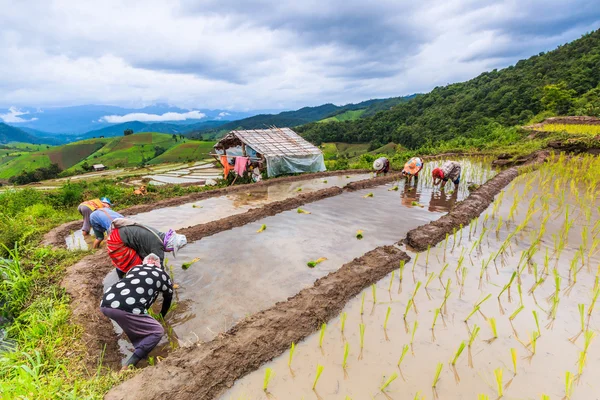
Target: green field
x: 189, y: 151
x: 124, y: 151
x: 333, y: 151
x: 349, y: 115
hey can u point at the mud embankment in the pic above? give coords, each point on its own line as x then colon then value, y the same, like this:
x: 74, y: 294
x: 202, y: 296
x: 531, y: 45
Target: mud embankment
x: 465, y: 211
x: 83, y: 281
x: 56, y: 237
x: 207, y: 369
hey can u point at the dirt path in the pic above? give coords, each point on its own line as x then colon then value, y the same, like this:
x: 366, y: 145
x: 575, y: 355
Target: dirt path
x: 56, y: 237
x: 206, y: 370
x: 462, y: 214
x: 83, y: 281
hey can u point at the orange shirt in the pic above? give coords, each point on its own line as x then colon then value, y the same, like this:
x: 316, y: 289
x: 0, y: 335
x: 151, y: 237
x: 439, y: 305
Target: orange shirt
x: 93, y: 204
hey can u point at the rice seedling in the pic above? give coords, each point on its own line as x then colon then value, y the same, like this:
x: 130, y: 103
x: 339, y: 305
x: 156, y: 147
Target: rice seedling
x: 568, y: 384
x: 492, y: 322
x: 517, y: 311
x: 343, y: 318
x: 483, y: 397
x: 301, y: 211
x: 417, y: 287
x: 262, y: 228
x: 362, y: 304
x: 391, y: 281
x: 442, y: 273
x: 418, y: 396
x: 368, y: 195
x: 317, y: 376
x: 427, y: 257
x: 463, y: 278
x: 346, y: 352
x: 387, y: 317
x: 322, y: 334
x: 362, y: 335
x: 581, y: 308
x: 292, y: 350
x: 325, y: 181
x: 429, y: 279
x: 499, y: 385
x: 581, y: 362
x: 408, y: 306
x: 537, y: 322
x: 391, y: 379
x: 545, y: 397
x: 314, y: 263
x: 374, y: 291
x: 436, y: 378
x: 412, y: 336
x: 188, y: 264
x: 404, y: 351
x: 359, y: 234
x: 587, y: 337
x: 394, y: 188
x: 445, y: 246
x: 591, y: 307
x: 299, y: 189
x: 458, y: 352
x: 268, y: 376
x: 513, y: 355
x: 436, y: 313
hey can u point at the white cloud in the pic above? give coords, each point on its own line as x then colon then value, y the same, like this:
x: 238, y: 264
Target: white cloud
x: 260, y: 54
x: 144, y: 117
x: 13, y: 116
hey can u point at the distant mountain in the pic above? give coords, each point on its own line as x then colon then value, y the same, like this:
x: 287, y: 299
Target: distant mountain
x: 77, y: 120
x: 137, y: 126
x: 11, y: 134
x: 299, y: 117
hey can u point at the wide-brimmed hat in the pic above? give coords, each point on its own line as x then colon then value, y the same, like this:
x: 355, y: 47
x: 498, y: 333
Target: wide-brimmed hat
x: 379, y: 164
x: 413, y: 166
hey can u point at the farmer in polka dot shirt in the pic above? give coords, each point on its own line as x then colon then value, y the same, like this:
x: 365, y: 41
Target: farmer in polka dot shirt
x: 127, y: 302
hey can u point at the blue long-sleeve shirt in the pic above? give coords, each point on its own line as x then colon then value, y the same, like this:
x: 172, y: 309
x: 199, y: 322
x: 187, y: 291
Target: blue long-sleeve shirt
x: 101, y: 220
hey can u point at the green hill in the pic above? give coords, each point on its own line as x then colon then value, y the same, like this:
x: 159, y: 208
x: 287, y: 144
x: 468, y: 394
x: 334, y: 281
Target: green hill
x: 349, y: 115
x: 563, y: 81
x: 123, y: 151
x: 11, y: 134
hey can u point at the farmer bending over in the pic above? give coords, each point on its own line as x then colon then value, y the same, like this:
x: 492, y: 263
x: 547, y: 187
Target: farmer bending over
x: 127, y: 303
x: 87, y: 207
x: 129, y: 242
x: 450, y: 170
x: 101, y: 220
x: 412, y: 168
x: 381, y: 166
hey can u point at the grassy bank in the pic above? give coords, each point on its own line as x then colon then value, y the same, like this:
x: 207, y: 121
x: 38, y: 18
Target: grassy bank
x: 49, y: 360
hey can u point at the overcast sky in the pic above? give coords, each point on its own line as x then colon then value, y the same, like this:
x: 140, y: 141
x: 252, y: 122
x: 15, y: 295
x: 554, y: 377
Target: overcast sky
x: 265, y: 54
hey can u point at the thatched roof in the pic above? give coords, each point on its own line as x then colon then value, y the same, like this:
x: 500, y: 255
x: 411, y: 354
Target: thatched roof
x: 270, y: 142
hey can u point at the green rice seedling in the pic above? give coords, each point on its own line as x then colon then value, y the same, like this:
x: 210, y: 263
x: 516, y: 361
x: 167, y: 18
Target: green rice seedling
x: 475, y: 309
x: 537, y: 322
x: 581, y: 362
x: 534, y: 338
x: 292, y: 350
x: 325, y: 181
x: 346, y: 352
x: 591, y: 307
x: 445, y: 246
x: 322, y: 334
x: 408, y: 306
x: 581, y: 308
x: 499, y: 385
x: 587, y: 337
x: 387, y: 317
x: 412, y: 337
x: 316, y: 262
x: 299, y: 189
x: 483, y: 397
x: 301, y: 211
x: 513, y: 355
x: 362, y: 304
x: 458, y: 352
x: 368, y: 195
x: 359, y: 234
x: 417, y: 287
x: 472, y: 337
x: 394, y: 188
x: 188, y: 264
x: 401, y: 269
x: 415, y: 262
x: 418, y: 396
x: 343, y: 318
x: 442, y: 273
x: 391, y: 281
x: 520, y: 291
x: 436, y: 313
x: 507, y: 286
x: 427, y: 256
x: 429, y: 279
x: 374, y: 290
x: 517, y: 311
x: 391, y: 379
x: 262, y: 228
x: 492, y: 322
x: 268, y: 376
x: 361, y: 328
x: 404, y: 351
x: 463, y: 278
x: 453, y: 238
x: 568, y: 384
x: 317, y: 376
x: 438, y: 371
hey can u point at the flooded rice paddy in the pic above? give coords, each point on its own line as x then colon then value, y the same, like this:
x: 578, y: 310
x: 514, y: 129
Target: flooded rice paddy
x: 240, y: 271
x: 543, y: 228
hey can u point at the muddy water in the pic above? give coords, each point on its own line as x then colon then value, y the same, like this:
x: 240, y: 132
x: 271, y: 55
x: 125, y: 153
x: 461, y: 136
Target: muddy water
x: 218, y: 207
x: 543, y: 372
x: 270, y: 266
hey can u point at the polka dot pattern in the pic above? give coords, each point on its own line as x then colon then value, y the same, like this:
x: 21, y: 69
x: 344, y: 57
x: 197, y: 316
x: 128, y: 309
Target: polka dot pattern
x: 138, y: 290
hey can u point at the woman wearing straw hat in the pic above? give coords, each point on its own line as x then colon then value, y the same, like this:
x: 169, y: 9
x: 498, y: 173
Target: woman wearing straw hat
x: 412, y: 168
x: 381, y: 166
x: 449, y: 171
